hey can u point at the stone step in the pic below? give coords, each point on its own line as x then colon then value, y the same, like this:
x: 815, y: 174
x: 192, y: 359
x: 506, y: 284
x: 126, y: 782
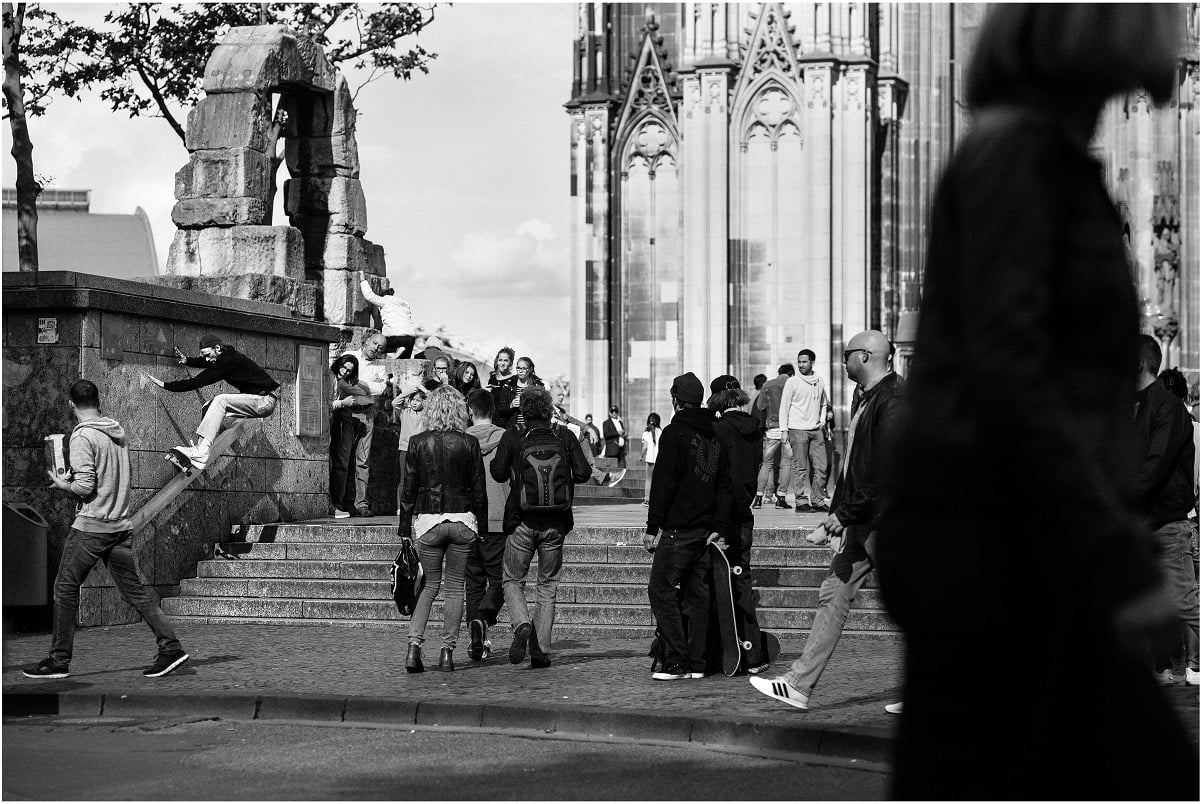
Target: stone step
x: 565, y: 613
x: 591, y: 593
x: 571, y: 573
x: 388, y: 534
x: 572, y: 553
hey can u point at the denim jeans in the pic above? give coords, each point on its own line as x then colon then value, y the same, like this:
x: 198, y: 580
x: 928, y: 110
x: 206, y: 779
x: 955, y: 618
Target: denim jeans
x: 450, y: 541
x: 678, y: 587
x: 649, y: 480
x: 237, y: 406
x: 775, y: 474
x: 808, y: 464
x: 1174, y: 541
x: 81, y: 552
x: 344, y: 429
x: 518, y: 554
x: 362, y: 458
x: 485, y: 575
x: 847, y: 572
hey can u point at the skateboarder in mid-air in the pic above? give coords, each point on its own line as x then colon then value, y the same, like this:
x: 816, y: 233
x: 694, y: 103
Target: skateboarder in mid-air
x: 256, y: 398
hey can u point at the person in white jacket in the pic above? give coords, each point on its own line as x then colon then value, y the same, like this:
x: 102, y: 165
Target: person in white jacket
x: 802, y: 408
x: 395, y: 319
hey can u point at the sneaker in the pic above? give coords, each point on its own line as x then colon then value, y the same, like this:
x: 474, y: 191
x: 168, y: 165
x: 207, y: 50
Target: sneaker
x: 617, y: 478
x: 755, y: 669
x: 364, y: 511
x: 645, y: 503
x: 487, y: 650
x: 516, y: 651
x: 781, y: 502
x: 478, y: 634
x: 895, y: 709
x: 1191, y: 677
x: 697, y: 675
x: 1165, y: 678
x: 757, y: 501
x: 197, y: 455
x: 675, y: 672
x: 804, y: 508
x: 165, y: 663
x: 539, y: 661
x: 822, y: 506
x: 338, y: 513
x: 46, y: 668
x: 780, y: 690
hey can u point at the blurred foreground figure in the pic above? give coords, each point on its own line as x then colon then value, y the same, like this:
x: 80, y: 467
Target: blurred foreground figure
x: 1012, y: 556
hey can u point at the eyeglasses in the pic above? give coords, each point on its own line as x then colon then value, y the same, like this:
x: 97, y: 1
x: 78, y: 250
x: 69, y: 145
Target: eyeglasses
x: 846, y: 354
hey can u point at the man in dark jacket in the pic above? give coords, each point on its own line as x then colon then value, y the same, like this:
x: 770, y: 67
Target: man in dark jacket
x: 740, y: 437
x: 690, y: 507
x: 775, y: 474
x: 1163, y: 485
x: 256, y: 397
x: 531, y: 531
x: 854, y: 515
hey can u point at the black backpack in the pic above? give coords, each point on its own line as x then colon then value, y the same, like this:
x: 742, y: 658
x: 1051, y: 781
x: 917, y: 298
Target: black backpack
x: 543, y: 471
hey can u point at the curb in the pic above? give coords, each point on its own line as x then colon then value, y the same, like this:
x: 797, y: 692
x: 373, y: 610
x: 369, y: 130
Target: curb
x: 870, y: 745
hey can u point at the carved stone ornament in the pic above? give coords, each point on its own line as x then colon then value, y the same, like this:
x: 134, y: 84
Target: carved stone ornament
x: 772, y: 46
x: 649, y: 91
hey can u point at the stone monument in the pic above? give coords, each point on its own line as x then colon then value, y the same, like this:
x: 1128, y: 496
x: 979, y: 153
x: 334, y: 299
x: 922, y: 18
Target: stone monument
x: 226, y: 244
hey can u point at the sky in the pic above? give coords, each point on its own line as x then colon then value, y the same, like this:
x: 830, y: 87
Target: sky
x: 465, y: 172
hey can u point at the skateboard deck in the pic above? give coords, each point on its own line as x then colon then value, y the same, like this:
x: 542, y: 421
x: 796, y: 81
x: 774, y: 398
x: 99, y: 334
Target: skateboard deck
x: 180, y: 461
x: 731, y: 641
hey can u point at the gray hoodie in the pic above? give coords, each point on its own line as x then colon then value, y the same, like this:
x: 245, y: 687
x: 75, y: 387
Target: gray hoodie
x: 488, y: 436
x: 100, y: 476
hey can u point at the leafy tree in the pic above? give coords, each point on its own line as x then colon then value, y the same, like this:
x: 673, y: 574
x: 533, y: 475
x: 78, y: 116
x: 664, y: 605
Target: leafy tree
x: 147, y: 59
x: 28, y: 187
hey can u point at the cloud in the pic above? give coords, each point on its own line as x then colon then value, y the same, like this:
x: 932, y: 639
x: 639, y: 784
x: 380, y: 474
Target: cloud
x: 527, y: 261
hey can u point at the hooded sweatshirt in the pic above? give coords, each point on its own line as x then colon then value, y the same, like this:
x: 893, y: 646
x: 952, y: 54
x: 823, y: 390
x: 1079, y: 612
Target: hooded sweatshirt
x: 488, y: 435
x: 800, y: 403
x: 100, y: 476
x: 740, y: 436
x: 686, y: 492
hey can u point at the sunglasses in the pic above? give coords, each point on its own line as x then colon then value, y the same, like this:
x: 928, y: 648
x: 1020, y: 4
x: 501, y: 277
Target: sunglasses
x: 846, y: 354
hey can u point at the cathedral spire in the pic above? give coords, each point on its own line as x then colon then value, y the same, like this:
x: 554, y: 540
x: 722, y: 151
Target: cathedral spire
x: 651, y: 83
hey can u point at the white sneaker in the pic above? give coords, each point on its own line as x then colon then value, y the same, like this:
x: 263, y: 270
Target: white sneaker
x: 1165, y: 678
x: 614, y: 479
x: 698, y: 675
x: 895, y: 709
x: 338, y: 513
x: 1191, y: 677
x: 197, y: 455
x: 780, y: 690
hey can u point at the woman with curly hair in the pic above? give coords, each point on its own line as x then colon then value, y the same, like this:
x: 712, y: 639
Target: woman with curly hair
x: 351, y: 406
x: 443, y: 505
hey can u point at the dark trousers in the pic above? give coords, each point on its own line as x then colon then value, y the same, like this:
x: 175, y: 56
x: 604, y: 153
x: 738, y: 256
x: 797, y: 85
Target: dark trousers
x: 485, y: 578
x: 395, y: 342
x: 344, y: 430
x: 81, y: 552
x: 681, y: 559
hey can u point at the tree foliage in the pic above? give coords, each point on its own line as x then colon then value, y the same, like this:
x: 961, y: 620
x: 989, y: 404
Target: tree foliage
x: 148, y: 59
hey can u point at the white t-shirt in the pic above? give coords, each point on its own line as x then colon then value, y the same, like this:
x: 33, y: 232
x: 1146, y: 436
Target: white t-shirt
x: 650, y: 445
x: 371, y: 372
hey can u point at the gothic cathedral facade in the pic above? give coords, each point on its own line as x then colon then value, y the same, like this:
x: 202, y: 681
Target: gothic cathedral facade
x: 748, y: 180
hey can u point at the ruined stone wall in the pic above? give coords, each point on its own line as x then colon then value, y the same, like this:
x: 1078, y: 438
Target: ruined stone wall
x: 110, y: 332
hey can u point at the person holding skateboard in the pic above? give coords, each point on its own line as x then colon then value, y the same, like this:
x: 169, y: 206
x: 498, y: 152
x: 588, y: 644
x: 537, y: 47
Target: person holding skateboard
x: 99, y: 480
x: 740, y: 436
x: 256, y: 397
x: 689, y: 508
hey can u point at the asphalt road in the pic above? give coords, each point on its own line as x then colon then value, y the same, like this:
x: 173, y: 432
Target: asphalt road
x: 197, y: 759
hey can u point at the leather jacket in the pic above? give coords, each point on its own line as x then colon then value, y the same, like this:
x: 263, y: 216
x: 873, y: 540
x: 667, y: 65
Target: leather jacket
x: 443, y: 474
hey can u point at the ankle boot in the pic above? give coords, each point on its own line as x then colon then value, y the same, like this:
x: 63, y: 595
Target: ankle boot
x: 446, y: 660
x: 413, y: 663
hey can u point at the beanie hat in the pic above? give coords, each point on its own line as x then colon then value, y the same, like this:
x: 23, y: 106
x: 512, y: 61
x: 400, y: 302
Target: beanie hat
x: 724, y: 383
x: 688, y: 388
x: 208, y: 340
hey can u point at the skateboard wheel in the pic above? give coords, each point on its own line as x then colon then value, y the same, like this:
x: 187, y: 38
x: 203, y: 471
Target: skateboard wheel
x: 737, y: 570
x: 747, y: 645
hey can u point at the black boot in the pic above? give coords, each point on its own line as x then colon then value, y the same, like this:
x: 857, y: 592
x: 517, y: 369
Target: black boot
x: 446, y: 660
x: 413, y: 663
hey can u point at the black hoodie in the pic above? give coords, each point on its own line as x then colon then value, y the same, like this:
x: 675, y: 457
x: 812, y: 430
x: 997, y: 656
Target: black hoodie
x: 740, y: 436
x: 686, y: 492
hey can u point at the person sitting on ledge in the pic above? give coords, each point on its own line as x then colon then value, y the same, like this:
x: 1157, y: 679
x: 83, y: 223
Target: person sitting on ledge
x: 256, y: 398
x: 395, y: 319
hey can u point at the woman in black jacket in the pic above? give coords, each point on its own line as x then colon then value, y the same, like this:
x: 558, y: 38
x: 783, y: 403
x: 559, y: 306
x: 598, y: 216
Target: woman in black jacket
x: 443, y: 503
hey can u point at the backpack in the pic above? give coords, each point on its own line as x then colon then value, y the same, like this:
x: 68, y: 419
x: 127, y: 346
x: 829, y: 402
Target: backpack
x: 407, y: 578
x: 543, y: 472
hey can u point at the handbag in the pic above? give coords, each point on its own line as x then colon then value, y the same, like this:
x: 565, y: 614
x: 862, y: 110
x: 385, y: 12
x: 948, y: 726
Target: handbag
x: 408, y: 578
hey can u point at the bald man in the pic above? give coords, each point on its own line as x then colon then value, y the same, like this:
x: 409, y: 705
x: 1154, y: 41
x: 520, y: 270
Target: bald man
x: 854, y: 514
x: 374, y: 373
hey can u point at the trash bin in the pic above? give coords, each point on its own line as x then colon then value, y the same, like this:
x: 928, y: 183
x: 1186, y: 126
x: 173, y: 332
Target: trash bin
x: 25, y: 580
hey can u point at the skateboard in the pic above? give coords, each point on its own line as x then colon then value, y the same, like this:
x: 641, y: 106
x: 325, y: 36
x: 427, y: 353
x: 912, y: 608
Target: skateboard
x: 180, y: 461
x: 731, y: 642
x: 770, y: 645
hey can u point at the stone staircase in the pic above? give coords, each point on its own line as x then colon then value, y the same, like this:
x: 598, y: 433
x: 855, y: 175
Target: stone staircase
x: 330, y: 572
